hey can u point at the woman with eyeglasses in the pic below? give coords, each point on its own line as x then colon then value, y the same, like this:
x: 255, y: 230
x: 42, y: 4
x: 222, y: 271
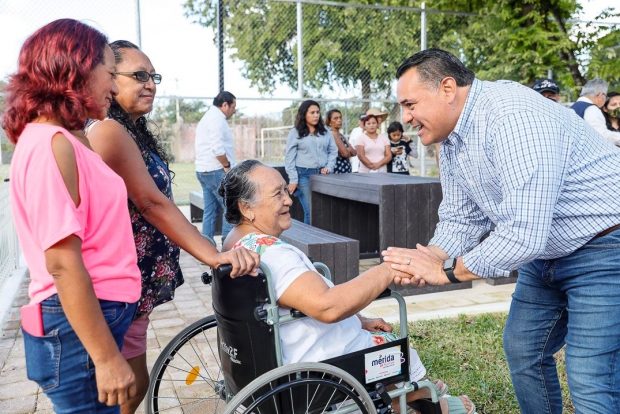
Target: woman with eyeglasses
x: 160, y: 229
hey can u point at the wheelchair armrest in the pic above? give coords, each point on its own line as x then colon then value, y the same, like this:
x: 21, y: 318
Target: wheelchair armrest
x: 385, y: 294
x: 297, y: 314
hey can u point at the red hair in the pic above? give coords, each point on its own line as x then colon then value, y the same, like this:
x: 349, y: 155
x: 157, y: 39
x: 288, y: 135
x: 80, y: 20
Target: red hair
x: 52, y: 76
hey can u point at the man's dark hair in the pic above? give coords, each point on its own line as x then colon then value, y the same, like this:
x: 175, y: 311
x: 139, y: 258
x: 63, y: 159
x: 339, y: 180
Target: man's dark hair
x: 434, y: 65
x: 222, y: 97
x: 300, y: 122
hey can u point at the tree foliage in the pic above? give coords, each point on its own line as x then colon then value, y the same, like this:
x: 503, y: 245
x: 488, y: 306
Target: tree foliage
x: 354, y: 48
x: 189, y: 111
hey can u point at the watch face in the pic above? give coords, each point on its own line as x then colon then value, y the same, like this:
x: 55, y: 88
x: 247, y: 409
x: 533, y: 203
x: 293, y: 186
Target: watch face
x: 449, y: 264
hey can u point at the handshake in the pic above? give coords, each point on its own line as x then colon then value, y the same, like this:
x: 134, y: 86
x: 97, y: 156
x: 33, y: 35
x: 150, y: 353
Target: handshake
x: 417, y: 267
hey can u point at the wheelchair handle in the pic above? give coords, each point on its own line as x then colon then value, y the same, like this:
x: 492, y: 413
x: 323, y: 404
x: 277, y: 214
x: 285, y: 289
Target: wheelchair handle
x: 223, y: 271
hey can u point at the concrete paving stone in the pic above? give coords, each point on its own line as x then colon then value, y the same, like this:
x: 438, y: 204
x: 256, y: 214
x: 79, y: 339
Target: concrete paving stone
x: 503, y: 296
x: 13, y: 376
x: 415, y: 308
x: 18, y: 389
x: 19, y: 405
x: 165, y: 307
x: 43, y: 402
x: 459, y: 302
x: 12, y: 325
x: 482, y: 298
x: 169, y: 314
x: 14, y: 364
x: 382, y: 311
x: 7, y: 343
x: 190, y: 303
x: 9, y: 334
x: 152, y: 343
x: 45, y: 410
x: 150, y: 334
x: 166, y: 323
x: 433, y: 304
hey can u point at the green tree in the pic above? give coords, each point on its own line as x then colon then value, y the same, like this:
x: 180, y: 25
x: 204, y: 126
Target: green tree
x: 189, y: 111
x: 352, y: 47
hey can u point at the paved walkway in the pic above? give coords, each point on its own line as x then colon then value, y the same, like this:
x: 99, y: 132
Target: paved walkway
x: 193, y: 301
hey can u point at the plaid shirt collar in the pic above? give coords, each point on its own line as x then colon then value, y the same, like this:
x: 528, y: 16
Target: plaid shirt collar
x: 459, y: 134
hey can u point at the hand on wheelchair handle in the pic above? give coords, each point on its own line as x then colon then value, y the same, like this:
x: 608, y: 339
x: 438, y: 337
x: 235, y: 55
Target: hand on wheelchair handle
x: 223, y: 271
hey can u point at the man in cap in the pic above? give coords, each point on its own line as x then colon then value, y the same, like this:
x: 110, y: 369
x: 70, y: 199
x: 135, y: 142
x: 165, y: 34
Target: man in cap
x: 549, y: 89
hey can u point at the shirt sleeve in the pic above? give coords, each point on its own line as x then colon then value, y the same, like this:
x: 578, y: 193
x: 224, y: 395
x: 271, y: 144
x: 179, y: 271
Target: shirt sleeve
x: 461, y: 222
x: 530, y: 177
x: 332, y: 152
x: 214, y: 131
x: 595, y: 118
x: 286, y: 265
x: 291, y: 156
x: 51, y: 213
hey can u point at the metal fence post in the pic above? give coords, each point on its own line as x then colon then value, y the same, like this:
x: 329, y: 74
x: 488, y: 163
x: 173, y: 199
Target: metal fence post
x: 421, y: 148
x: 300, y: 52
x: 220, y: 42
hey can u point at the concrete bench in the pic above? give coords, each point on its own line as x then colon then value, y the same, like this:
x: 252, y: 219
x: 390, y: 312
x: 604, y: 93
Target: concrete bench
x: 339, y: 253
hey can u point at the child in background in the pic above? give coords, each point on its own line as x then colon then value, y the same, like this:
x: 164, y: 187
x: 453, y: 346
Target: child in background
x: 401, y: 146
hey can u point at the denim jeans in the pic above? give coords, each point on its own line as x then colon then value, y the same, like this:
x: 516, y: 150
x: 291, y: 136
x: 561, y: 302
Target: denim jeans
x: 213, y: 204
x: 573, y: 300
x: 59, y: 363
x: 303, y: 189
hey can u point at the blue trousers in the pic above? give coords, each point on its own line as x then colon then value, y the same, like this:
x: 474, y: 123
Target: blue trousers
x: 213, y: 204
x: 573, y: 300
x: 303, y: 189
x: 59, y: 363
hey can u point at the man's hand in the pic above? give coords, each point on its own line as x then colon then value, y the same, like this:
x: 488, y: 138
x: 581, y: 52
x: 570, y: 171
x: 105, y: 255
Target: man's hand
x: 116, y: 382
x: 422, y: 264
x: 243, y: 261
x: 291, y: 188
x: 374, y: 324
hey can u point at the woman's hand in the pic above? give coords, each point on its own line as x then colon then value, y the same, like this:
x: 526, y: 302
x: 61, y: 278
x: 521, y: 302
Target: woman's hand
x: 374, y: 324
x: 116, y: 382
x: 243, y: 261
x: 324, y: 170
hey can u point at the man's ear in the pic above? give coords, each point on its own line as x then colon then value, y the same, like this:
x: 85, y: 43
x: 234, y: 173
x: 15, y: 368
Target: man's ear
x: 448, y: 88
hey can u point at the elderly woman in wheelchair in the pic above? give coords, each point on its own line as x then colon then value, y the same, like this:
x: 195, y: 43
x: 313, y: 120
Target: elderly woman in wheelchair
x: 258, y: 203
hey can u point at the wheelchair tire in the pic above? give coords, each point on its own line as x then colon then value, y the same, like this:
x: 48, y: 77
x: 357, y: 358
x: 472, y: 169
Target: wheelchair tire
x: 187, y: 376
x: 275, y: 391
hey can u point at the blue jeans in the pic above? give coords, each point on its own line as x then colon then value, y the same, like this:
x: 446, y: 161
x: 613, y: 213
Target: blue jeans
x: 573, y: 300
x: 213, y: 204
x: 59, y: 363
x: 303, y: 189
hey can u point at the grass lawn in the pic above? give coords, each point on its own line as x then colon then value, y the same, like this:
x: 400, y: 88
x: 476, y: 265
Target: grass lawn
x: 466, y: 353
x: 184, y: 181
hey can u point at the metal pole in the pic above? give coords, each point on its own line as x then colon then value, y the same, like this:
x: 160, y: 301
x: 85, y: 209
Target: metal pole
x: 220, y: 42
x: 421, y: 148
x: 138, y: 24
x: 300, y: 52
x: 549, y: 74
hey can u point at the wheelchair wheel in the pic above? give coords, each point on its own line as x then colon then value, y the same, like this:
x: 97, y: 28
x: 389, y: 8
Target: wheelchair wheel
x: 187, y: 376
x: 304, y: 387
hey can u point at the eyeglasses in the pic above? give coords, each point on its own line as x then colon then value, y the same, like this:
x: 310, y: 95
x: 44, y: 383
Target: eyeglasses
x: 142, y: 76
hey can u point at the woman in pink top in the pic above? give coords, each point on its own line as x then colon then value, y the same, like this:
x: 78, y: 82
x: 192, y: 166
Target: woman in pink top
x: 373, y: 149
x: 70, y: 212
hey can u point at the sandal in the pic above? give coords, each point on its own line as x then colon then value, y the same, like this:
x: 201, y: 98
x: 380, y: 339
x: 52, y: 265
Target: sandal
x: 457, y: 406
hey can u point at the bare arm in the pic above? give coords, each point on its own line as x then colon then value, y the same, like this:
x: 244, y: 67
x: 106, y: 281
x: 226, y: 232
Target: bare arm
x: 362, y: 157
x: 311, y: 295
x: 115, y: 379
x: 343, y: 151
x: 112, y: 142
x: 387, y: 156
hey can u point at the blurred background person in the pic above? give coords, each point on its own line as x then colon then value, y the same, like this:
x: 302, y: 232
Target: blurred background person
x: 353, y: 136
x: 70, y: 213
x: 373, y: 149
x: 160, y: 229
x: 611, y: 111
x: 401, y: 146
x: 333, y: 119
x: 549, y: 89
x: 591, y: 99
x: 310, y: 149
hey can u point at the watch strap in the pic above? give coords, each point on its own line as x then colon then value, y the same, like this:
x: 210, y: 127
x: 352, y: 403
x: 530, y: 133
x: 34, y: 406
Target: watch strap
x: 451, y: 277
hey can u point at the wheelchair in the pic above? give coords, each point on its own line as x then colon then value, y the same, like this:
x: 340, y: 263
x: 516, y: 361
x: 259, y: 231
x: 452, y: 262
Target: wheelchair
x: 231, y: 362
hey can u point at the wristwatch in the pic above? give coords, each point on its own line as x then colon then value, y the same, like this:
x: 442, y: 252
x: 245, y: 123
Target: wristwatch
x: 226, y: 166
x: 448, y: 267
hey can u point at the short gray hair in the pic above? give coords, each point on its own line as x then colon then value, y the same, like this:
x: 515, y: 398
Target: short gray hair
x: 237, y: 187
x: 594, y: 87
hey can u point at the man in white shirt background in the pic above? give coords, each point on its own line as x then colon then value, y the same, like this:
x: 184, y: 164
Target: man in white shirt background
x: 215, y: 155
x: 353, y: 136
x: 588, y: 106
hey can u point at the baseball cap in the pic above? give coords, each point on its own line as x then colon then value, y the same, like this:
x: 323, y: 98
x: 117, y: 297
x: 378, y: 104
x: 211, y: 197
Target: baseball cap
x: 362, y: 116
x: 545, y: 85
